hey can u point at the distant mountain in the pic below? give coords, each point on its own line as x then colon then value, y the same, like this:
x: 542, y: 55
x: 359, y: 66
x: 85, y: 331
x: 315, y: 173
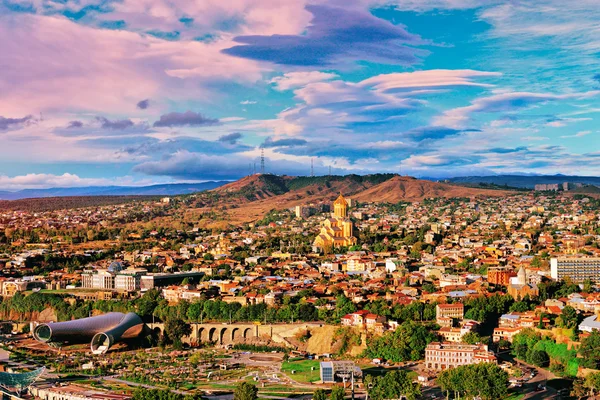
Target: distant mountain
x: 525, y: 181
x: 170, y: 189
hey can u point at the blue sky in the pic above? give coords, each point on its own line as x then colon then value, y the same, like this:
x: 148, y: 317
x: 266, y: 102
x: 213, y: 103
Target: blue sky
x: 132, y: 92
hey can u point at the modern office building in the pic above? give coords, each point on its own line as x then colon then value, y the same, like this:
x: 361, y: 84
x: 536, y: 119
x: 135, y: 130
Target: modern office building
x: 577, y: 269
x: 443, y: 355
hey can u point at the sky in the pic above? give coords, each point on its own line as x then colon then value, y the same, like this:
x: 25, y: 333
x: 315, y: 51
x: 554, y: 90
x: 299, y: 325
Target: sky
x: 138, y: 92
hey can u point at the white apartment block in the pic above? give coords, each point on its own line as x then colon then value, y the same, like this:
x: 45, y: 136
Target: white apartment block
x: 575, y: 268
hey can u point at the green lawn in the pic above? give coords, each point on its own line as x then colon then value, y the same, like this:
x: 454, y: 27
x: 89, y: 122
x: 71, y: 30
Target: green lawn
x: 303, y: 370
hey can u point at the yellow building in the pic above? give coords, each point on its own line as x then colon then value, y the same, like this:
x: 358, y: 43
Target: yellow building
x: 336, y: 231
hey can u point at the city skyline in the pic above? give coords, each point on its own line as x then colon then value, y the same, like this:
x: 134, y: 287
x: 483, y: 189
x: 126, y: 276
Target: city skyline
x: 140, y: 92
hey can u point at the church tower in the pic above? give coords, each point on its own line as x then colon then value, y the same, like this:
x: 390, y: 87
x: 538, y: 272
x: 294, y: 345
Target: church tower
x: 522, y: 276
x: 340, y: 207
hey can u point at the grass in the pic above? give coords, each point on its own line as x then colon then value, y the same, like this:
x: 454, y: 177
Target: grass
x: 303, y: 373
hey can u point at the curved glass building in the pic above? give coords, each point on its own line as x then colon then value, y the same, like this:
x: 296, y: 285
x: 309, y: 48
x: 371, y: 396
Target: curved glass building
x: 19, y: 381
x: 103, y: 331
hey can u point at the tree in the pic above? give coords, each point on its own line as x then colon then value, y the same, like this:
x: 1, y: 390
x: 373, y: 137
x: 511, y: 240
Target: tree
x: 338, y: 393
x: 175, y: 329
x: 485, y: 380
x: 590, y: 350
x: 319, y: 394
x: 245, y: 391
x: 393, y: 385
x: 539, y: 358
x: 569, y: 318
x: 471, y: 338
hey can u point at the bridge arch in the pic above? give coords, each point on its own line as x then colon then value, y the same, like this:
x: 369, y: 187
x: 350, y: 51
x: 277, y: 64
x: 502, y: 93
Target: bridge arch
x: 248, y: 333
x: 235, y: 334
x: 211, y: 335
x: 223, y: 337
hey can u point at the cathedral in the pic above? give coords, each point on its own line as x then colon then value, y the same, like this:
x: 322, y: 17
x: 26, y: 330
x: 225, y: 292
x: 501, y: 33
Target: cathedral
x: 336, y: 231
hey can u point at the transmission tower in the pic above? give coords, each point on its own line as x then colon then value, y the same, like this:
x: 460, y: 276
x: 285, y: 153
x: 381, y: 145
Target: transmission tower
x: 262, y: 160
x: 312, y: 167
x: 330, y: 170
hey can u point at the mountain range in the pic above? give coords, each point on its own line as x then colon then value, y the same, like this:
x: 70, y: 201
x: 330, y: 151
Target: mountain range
x: 170, y: 189
x: 525, y: 181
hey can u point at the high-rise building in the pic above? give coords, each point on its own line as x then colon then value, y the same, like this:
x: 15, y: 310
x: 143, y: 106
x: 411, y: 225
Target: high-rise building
x: 577, y: 269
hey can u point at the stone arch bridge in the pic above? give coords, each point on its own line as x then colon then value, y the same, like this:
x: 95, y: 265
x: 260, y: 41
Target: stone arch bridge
x: 223, y: 333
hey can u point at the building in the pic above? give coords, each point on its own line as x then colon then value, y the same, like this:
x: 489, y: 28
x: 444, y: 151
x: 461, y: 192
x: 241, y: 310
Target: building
x: 364, y: 319
x: 151, y: 281
x: 129, y: 279
x: 499, y: 276
x: 103, y: 331
x: 452, y: 334
x: 520, y: 287
x: 10, y: 288
x: 445, y: 313
x: 339, y: 371
x: 336, y: 231
x: 590, y: 324
x: 547, y: 187
x: 577, y: 269
x: 440, y: 356
x: 113, y: 279
x: 15, y: 383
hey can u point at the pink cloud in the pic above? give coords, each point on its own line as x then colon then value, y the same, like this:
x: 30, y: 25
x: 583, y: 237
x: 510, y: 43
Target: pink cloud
x: 69, y: 67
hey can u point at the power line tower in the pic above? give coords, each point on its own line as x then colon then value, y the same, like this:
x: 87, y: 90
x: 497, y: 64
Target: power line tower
x: 312, y: 167
x: 262, y: 160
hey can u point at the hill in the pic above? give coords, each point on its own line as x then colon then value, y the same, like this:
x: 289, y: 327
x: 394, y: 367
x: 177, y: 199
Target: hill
x: 250, y: 198
x: 404, y: 188
x: 152, y: 190
x: 68, y: 202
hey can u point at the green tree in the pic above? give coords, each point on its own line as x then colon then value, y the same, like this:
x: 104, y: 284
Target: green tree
x: 338, y: 393
x: 320, y: 394
x: 539, y: 358
x: 569, y: 318
x: 590, y: 350
x: 175, y: 330
x: 245, y: 391
x: 471, y: 338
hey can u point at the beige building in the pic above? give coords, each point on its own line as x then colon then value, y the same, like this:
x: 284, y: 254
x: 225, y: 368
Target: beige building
x: 440, y: 356
x: 336, y: 231
x: 445, y: 313
x: 10, y: 288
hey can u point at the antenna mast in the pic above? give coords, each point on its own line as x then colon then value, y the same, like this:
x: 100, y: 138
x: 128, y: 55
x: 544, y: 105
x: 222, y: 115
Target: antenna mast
x: 312, y: 167
x: 262, y: 160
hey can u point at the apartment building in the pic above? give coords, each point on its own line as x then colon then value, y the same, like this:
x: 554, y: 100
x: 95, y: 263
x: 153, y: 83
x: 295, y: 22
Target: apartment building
x: 443, y: 355
x: 575, y: 268
x: 499, y: 276
x: 445, y: 313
